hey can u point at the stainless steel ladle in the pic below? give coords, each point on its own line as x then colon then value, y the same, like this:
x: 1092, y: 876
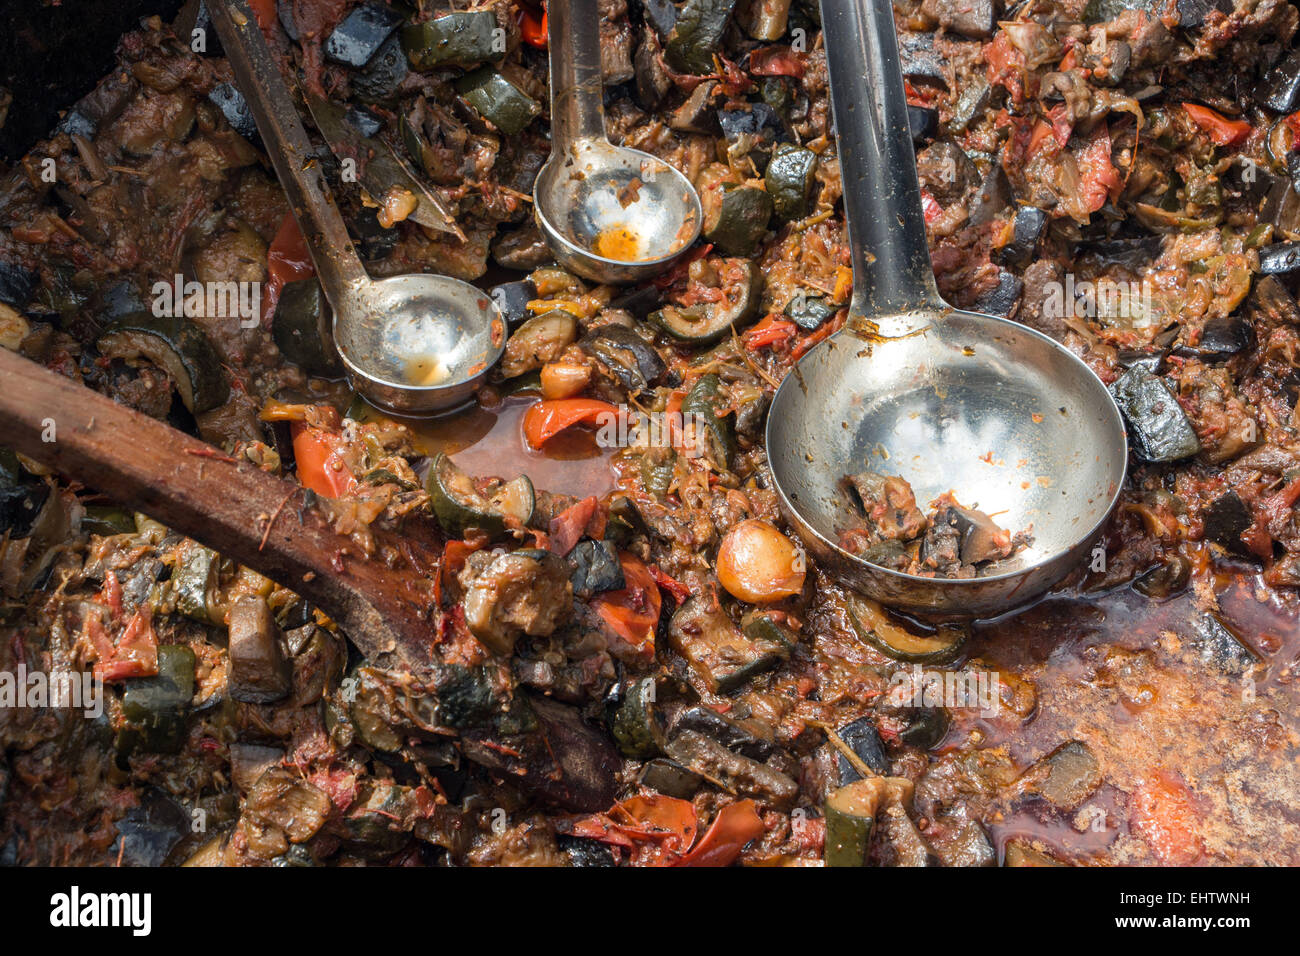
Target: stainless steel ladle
x: 1007, y: 418
x: 609, y: 213
x: 412, y: 344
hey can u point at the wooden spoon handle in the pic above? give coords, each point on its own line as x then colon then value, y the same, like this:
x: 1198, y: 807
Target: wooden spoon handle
x: 193, y: 488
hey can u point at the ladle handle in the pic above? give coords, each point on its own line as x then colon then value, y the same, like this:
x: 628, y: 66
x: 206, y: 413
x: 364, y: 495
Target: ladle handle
x: 577, y: 85
x: 337, y: 265
x: 882, y: 196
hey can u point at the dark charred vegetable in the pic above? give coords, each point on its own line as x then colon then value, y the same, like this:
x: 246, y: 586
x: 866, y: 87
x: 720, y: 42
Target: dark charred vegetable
x: 21, y: 498
x: 1027, y: 228
x: 454, y: 39
x: 731, y: 771
x: 696, y: 114
x: 466, y: 697
x: 809, y: 311
x: 1165, y: 579
x: 1067, y: 776
x: 706, y: 322
x: 154, y: 709
x: 1192, y: 13
x: 194, y: 583
x: 260, y: 670
x: 227, y: 98
x: 596, y: 568
x: 378, y: 82
x: 720, y: 437
x: 697, y: 35
x: 919, y: 60
x: 753, y: 124
x: 1158, y: 427
x: 497, y: 100
x: 632, y: 360
x: 926, y: 727
x: 635, y: 723
x: 362, y: 33
x: 736, y: 219
x: 1281, y: 90
x: 670, y: 778
x: 366, y: 121
x: 923, y: 121
x: 148, y: 832
x: 1221, y: 339
x: 661, y: 15
x: 721, y: 655
x: 1130, y: 254
x: 175, y: 345
x: 875, y: 627
x: 625, y: 521
x: 582, y: 851
x: 1227, y: 518
x: 791, y: 180
x: 16, y: 284
x: 303, y: 329
x: 731, y: 733
x: 1221, y: 647
x: 863, y: 738
x: 1281, y: 258
x: 1002, y: 298
x: 512, y: 299
x: 972, y: 100
x: 460, y: 506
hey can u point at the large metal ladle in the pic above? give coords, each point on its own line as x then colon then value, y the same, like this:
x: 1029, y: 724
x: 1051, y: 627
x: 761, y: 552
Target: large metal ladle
x: 609, y: 213
x: 1007, y: 418
x: 412, y: 344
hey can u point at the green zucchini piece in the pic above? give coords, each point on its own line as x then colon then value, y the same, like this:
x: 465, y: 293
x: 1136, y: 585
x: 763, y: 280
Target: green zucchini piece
x: 194, y: 582
x: 791, y: 178
x: 875, y: 627
x: 701, y: 401
x: 850, y: 813
x: 154, y: 708
x: 302, y: 329
x: 809, y: 311
x: 758, y: 626
x: 178, y: 347
x: 635, y: 725
x: 705, y: 322
x: 698, y: 35
x: 463, y: 39
x: 657, y: 468
x: 497, y: 100
x: 523, y: 384
x: 736, y: 218
x: 107, y: 520
x: 459, y: 506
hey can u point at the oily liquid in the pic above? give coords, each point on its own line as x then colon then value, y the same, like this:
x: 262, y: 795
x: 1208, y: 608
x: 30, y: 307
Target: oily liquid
x: 425, y: 370
x: 618, y: 242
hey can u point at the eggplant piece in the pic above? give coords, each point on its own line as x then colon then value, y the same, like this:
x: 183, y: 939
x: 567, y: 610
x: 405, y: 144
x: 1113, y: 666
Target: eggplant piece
x: 994, y: 194
x: 77, y: 123
x: 463, y: 39
x: 1158, y: 426
x: 696, y: 114
x: 660, y: 15
x: 498, y: 101
x: 154, y: 709
x: 1002, y: 298
x: 1133, y: 255
x: 701, y: 403
x: 1026, y: 230
x: 697, y: 35
x: 519, y: 592
x: 260, y: 669
x: 596, y: 569
x: 971, y: 18
x: 363, y: 31
x: 961, y: 840
x: 919, y: 60
x: 1281, y: 258
x: 864, y: 740
x: 1192, y: 13
x: 791, y: 180
x: 176, y: 345
x: 1166, y: 579
x: 731, y: 771
x: 720, y: 654
x: 1066, y: 777
x: 584, y: 851
x: 972, y: 100
x: 941, y: 645
x: 150, y: 830
x: 384, y: 73
x: 631, y: 359
x: 635, y: 724
x: 227, y: 98
x: 1226, y: 519
x: 1280, y: 91
x: 639, y: 301
x: 16, y: 284
x: 249, y: 761
x: 1103, y: 11
x: 625, y: 521
x: 522, y: 249
x: 732, y: 734
x: 21, y: 497
x: 850, y: 813
x: 926, y: 727
x: 302, y: 327
x: 1221, y: 647
x: 1282, y: 208
x: 705, y: 322
x: 540, y: 340
x: 1221, y: 339
x: 512, y: 299
x: 365, y: 121
x: 652, y: 80
x: 923, y: 121
x: 670, y: 778
x: 756, y: 120
x: 809, y: 312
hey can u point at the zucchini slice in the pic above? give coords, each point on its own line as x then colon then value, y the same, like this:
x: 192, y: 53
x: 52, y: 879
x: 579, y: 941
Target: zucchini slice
x: 460, y: 506
x: 791, y: 178
x: 498, y: 100
x: 850, y: 814
x: 175, y: 345
x: 735, y: 217
x: 634, y: 725
x: 463, y: 39
x: 194, y: 584
x: 876, y: 628
x: 704, y: 322
x: 697, y: 35
x: 701, y: 402
x: 302, y: 330
x: 154, y: 709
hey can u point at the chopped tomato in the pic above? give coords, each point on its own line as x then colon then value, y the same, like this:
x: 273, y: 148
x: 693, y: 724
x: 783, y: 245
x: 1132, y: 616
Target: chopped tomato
x: 776, y: 61
x: 768, y: 333
x: 1222, y: 131
x: 1097, y: 175
x: 548, y: 418
x: 1006, y: 66
x: 632, y: 613
x: 264, y: 10
x: 319, y: 466
x: 110, y: 594
x: 136, y: 653
x: 453, y: 559
x: 670, y: 584
x: 734, y: 826
x: 572, y: 523
x: 930, y: 207
x: 533, y: 25
x: 287, y: 261
x: 656, y: 817
x: 1163, y: 813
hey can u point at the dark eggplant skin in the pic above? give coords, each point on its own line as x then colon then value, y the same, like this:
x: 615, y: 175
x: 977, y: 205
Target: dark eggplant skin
x: 1281, y: 258
x: 918, y: 59
x: 1131, y: 254
x: 1221, y: 339
x: 596, y: 568
x: 661, y: 15
x: 1226, y: 518
x: 512, y: 299
x: 227, y: 98
x: 632, y: 360
x: 1028, y: 227
x: 1002, y: 298
x: 864, y: 740
x: 1280, y: 91
x: 1192, y: 13
x: 362, y: 33
x: 726, y: 731
x: 583, y: 851
x: 758, y: 120
x: 16, y: 284
x: 923, y: 122
x: 1158, y: 427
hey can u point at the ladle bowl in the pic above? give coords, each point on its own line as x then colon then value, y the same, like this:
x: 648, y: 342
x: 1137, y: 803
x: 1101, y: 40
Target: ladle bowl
x: 609, y: 213
x: 1006, y: 418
